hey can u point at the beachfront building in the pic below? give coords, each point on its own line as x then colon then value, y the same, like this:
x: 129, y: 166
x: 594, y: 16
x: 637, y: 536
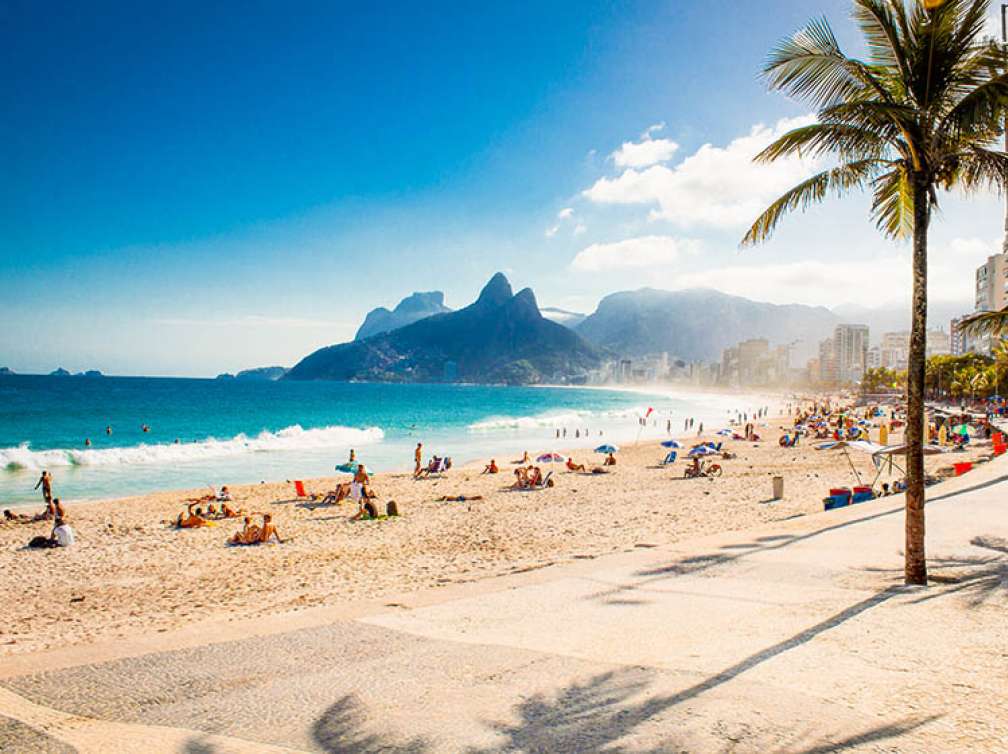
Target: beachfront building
x: 992, y: 284
x: 850, y: 352
x: 754, y: 362
x: 873, y: 359
x: 991, y: 293
x: 894, y: 349
x: 959, y: 342
x: 826, y: 363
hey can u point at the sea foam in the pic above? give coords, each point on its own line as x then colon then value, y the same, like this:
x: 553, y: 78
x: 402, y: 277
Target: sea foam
x: 288, y: 439
x: 554, y: 419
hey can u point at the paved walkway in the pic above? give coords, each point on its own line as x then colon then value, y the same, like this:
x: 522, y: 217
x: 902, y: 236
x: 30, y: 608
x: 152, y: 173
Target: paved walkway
x: 796, y: 638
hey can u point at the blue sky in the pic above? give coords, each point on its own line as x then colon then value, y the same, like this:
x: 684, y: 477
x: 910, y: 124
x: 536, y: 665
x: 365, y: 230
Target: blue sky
x: 190, y: 188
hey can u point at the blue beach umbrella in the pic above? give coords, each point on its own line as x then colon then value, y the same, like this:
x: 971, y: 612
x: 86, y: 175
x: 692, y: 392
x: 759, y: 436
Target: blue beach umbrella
x: 701, y: 450
x: 725, y: 432
x: 671, y: 444
x: 606, y: 449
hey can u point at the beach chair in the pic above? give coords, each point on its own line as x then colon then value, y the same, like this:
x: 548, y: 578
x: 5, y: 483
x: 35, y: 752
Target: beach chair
x: 544, y: 483
x: 299, y: 488
x: 669, y: 459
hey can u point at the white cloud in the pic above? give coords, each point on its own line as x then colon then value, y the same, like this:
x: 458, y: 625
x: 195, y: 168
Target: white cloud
x: 580, y: 228
x: 647, y: 151
x: 643, y: 153
x: 714, y: 186
x: 975, y: 249
x: 567, y: 213
x: 875, y: 282
x: 646, y: 251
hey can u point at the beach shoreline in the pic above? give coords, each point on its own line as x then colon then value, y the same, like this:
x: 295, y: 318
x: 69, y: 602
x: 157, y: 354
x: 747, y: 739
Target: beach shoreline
x: 132, y: 571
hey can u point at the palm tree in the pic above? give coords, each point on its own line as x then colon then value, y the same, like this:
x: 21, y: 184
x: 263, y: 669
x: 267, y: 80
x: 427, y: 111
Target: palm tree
x: 921, y: 114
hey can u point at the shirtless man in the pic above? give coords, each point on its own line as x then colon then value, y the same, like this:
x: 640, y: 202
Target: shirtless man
x: 571, y: 466
x: 248, y: 534
x: 268, y: 530
x: 610, y: 460
x: 45, y: 482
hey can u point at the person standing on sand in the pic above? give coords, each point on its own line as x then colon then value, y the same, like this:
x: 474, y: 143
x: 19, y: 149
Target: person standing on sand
x: 417, y: 456
x: 700, y: 430
x: 45, y: 482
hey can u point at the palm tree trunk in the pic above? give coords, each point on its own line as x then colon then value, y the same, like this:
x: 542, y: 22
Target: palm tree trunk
x: 915, y: 567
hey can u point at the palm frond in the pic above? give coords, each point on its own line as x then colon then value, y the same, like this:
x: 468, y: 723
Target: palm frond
x: 980, y: 111
x: 846, y: 141
x: 811, y: 66
x: 837, y: 180
x: 880, y: 24
x: 993, y: 323
x: 979, y: 168
x: 893, y: 203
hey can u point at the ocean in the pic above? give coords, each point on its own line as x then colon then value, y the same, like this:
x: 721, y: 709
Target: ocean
x: 212, y: 432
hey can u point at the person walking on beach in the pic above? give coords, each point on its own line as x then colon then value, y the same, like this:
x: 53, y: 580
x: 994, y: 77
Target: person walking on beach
x: 45, y: 482
x: 418, y: 456
x: 700, y: 430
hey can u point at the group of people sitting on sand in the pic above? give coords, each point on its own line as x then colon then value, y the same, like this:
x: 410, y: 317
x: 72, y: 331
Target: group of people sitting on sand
x: 61, y: 535
x: 251, y: 534
x: 531, y: 478
x: 194, y: 516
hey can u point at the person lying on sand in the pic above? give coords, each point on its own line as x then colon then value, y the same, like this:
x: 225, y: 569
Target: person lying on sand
x: 458, y: 498
x: 228, y: 512
x: 571, y: 466
x: 491, y: 468
x: 190, y: 519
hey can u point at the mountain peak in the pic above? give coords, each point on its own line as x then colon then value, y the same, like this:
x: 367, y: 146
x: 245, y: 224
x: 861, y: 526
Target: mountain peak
x: 497, y: 291
x: 523, y: 306
x: 414, y: 307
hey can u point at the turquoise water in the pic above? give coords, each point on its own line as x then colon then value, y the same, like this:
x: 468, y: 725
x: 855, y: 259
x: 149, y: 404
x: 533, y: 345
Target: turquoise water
x: 243, y: 432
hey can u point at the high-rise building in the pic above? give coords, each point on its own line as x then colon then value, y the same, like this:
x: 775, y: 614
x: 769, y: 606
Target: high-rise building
x: 827, y: 362
x: 960, y: 342
x: 850, y: 352
x: 992, y: 284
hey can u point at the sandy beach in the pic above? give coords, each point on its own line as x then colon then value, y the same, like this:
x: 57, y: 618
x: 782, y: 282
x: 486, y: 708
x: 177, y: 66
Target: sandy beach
x: 132, y: 572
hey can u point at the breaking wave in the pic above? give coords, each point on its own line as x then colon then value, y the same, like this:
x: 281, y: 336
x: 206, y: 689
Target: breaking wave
x: 287, y: 439
x: 572, y: 419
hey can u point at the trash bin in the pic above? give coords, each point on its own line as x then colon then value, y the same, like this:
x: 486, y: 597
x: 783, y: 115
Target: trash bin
x: 778, y: 487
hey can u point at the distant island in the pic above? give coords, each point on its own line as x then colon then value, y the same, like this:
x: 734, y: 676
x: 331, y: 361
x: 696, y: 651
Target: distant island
x: 500, y: 338
x: 269, y: 374
x: 6, y: 372
x: 61, y: 372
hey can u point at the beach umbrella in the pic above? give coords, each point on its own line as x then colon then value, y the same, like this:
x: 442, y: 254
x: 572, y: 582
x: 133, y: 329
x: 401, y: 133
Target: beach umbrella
x: 725, y: 432
x: 550, y: 458
x: 606, y: 449
x: 671, y: 444
x: 351, y: 468
x: 701, y: 450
